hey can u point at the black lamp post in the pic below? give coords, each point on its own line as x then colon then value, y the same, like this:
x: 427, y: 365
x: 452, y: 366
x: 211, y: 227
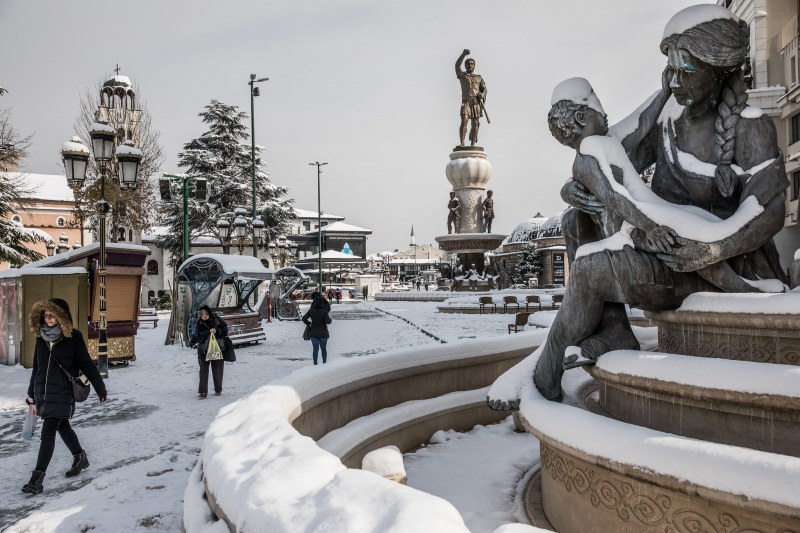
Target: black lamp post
x: 76, y: 156
x: 234, y: 226
x: 282, y: 252
x: 253, y: 93
x: 319, y: 218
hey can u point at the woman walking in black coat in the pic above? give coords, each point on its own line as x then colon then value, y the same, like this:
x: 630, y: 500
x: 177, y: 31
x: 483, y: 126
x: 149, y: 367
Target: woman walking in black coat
x: 58, y: 346
x: 208, y: 324
x: 318, y: 318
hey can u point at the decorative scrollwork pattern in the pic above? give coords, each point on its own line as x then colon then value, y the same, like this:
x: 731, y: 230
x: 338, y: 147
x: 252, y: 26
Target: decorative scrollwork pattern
x: 649, y: 509
x: 746, y: 344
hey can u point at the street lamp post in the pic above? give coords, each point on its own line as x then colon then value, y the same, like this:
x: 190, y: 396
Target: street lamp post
x: 253, y: 93
x: 76, y: 157
x: 201, y: 189
x: 236, y: 226
x: 319, y: 218
x: 282, y: 252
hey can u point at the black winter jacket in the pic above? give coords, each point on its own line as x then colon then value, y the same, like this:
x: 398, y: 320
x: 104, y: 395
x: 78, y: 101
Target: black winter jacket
x: 318, y: 318
x: 49, y: 387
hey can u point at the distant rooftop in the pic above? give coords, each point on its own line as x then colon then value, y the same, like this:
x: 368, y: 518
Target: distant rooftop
x: 44, y: 186
x: 304, y: 213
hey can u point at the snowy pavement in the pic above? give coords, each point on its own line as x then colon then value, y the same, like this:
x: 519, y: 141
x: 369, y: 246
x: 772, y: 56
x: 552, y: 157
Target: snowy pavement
x: 144, y: 441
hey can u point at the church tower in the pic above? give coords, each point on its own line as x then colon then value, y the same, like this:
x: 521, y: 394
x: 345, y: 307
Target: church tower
x: 118, y: 107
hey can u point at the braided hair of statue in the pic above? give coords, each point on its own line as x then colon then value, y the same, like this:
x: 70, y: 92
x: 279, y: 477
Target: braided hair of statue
x: 732, y: 102
x: 722, y: 43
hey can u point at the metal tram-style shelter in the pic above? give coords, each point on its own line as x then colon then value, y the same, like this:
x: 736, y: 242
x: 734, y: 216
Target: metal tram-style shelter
x: 287, y: 280
x: 227, y: 284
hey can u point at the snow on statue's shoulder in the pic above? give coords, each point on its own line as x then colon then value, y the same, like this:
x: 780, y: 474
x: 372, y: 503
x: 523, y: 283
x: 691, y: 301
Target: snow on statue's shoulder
x: 693, y: 16
x: 579, y: 91
x: 752, y: 112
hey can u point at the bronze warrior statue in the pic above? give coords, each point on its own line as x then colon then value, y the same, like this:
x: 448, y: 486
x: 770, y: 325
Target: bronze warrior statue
x: 453, y: 213
x: 488, y: 212
x: 473, y: 95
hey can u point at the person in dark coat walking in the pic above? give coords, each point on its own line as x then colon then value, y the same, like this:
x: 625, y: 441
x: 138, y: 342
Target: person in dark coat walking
x: 318, y: 318
x: 50, y: 391
x: 208, y: 324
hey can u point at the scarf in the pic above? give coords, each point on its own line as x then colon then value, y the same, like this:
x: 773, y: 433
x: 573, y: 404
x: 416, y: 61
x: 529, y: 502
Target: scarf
x: 51, y: 334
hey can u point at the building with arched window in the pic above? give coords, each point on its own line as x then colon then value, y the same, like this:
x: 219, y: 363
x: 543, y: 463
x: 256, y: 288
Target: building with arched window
x: 49, y: 208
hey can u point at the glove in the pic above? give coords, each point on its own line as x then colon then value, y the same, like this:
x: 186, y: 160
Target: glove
x: 102, y: 396
x: 29, y: 400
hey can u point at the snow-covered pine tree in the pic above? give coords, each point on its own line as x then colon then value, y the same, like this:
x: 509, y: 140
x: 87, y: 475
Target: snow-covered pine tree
x: 529, y: 264
x: 222, y: 156
x: 13, y: 236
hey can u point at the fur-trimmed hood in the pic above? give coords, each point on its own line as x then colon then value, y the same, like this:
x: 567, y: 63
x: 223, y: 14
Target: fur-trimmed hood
x: 56, y: 306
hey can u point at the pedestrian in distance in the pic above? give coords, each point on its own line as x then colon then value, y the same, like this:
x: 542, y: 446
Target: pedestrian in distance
x: 338, y: 293
x: 317, y: 319
x: 331, y: 296
x: 59, y: 349
x: 208, y: 324
x: 365, y: 292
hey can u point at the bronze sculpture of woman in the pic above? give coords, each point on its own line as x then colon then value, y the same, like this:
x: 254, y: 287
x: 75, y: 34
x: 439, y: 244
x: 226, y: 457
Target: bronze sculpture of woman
x: 710, y: 150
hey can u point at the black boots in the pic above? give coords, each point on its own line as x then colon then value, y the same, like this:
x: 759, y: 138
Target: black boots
x: 34, y: 486
x: 79, y: 462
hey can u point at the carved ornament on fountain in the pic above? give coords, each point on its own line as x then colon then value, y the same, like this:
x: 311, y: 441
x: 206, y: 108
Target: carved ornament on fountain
x: 468, y: 169
x: 470, y: 242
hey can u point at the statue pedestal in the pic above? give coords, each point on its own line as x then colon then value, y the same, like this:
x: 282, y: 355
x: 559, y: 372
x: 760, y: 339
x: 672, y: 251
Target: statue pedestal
x: 468, y: 172
x: 470, y: 247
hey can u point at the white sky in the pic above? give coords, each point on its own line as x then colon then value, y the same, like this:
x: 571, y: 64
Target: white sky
x: 367, y: 86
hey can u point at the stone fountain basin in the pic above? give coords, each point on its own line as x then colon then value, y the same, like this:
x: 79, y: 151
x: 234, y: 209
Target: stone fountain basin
x: 600, y: 475
x: 746, y: 327
x: 742, y: 403
x: 407, y: 393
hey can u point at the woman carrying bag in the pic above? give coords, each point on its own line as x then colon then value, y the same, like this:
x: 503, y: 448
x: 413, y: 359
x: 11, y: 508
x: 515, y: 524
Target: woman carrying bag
x: 209, y: 324
x: 60, y: 350
x: 317, y: 319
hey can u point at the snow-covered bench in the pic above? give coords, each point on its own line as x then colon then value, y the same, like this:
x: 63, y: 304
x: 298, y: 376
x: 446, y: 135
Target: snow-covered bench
x: 148, y: 314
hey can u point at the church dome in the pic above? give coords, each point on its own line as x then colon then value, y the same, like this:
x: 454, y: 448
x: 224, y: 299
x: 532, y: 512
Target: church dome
x: 118, y: 81
x: 528, y: 230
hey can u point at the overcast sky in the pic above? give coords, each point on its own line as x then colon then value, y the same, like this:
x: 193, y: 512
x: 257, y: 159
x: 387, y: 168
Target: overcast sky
x: 367, y: 86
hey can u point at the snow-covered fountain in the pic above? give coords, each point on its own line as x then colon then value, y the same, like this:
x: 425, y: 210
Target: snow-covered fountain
x: 468, y: 171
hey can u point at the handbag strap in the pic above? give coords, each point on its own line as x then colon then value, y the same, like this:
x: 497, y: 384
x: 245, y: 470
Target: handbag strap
x: 64, y: 370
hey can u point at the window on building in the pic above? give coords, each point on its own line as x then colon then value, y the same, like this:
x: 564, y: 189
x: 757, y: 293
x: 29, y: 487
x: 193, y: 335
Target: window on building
x: 121, y: 232
x: 16, y: 218
x: 60, y: 222
x: 793, y: 70
x: 795, y: 184
x: 794, y: 127
x: 130, y: 235
x: 152, y: 267
x: 324, y: 223
x: 307, y: 225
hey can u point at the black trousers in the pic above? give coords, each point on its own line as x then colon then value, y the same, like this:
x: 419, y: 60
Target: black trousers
x: 49, y: 428
x: 217, y: 367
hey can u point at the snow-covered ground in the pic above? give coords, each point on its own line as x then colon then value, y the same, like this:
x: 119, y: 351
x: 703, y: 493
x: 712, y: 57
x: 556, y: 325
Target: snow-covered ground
x: 143, y: 443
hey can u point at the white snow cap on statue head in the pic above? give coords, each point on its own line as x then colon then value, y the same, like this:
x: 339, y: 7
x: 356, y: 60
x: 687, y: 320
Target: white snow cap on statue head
x: 578, y: 91
x: 694, y: 16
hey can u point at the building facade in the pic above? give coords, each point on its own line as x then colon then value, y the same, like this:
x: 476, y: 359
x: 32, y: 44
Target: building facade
x: 545, y: 235
x: 48, y: 207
